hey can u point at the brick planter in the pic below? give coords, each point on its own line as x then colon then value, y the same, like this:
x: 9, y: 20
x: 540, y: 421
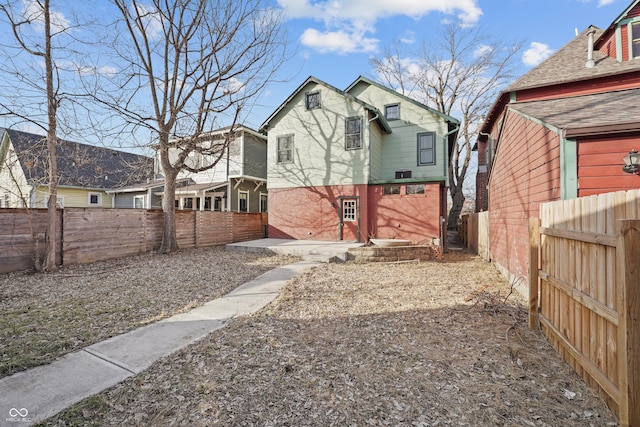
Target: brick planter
x: 396, y: 253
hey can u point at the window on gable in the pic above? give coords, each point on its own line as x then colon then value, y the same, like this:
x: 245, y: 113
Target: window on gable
x: 392, y: 111
x: 426, y: 148
x: 285, y: 149
x: 312, y: 100
x: 635, y: 40
x: 353, y: 133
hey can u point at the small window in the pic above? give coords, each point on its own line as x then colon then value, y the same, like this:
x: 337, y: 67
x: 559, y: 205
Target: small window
x: 312, y: 100
x: 635, y: 40
x: 263, y: 202
x: 243, y: 201
x: 138, y: 202
x: 353, y: 133
x: 59, y: 204
x: 391, y: 189
x: 6, y: 200
x: 95, y: 199
x: 217, y: 204
x: 285, y: 149
x: 349, y: 210
x: 426, y: 149
x: 187, y: 203
x: 207, y: 203
x: 415, y: 189
x: 392, y: 111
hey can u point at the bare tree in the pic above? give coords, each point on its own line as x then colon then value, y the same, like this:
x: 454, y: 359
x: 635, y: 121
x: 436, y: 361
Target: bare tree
x: 459, y: 74
x: 22, y: 17
x: 187, y: 67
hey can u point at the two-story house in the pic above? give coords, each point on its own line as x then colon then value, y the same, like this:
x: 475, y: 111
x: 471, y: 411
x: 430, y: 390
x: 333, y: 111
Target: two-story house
x: 356, y: 164
x: 86, y: 172
x: 560, y: 131
x: 237, y: 182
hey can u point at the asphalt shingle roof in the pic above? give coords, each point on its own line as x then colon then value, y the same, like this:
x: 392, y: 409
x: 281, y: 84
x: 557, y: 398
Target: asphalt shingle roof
x: 568, y: 65
x: 79, y: 165
x: 601, y: 109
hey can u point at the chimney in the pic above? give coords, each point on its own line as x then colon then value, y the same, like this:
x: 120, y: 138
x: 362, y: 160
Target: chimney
x: 590, y: 62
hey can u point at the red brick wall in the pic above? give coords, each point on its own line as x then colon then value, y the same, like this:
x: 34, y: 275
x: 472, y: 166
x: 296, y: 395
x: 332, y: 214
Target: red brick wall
x: 600, y: 165
x: 311, y: 213
x: 414, y: 217
x: 525, y: 173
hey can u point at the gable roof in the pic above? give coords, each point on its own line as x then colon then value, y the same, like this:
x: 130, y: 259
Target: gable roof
x: 362, y: 79
x: 568, y: 65
x: 379, y: 117
x: 79, y: 165
x: 588, y: 114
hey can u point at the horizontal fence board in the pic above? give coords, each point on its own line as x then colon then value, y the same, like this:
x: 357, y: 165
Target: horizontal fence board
x: 93, y: 234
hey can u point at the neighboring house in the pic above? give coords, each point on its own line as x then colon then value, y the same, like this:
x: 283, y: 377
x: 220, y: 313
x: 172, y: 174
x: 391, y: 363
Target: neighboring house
x: 237, y: 183
x: 86, y: 172
x: 559, y: 132
x: 356, y: 164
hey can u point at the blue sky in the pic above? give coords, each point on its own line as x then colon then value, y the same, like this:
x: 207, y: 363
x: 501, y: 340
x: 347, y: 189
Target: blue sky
x: 334, y: 39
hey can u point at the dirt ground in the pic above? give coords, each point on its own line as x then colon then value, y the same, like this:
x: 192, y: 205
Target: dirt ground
x: 371, y: 344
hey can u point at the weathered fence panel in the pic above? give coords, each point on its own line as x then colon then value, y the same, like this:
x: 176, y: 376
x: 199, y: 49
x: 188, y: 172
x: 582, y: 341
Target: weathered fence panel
x: 214, y: 228
x: 94, y: 234
x: 22, y: 233
x: 581, y: 292
x: 474, y: 231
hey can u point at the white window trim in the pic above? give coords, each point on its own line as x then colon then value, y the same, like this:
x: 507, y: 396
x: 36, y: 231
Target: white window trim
x: 144, y: 200
x: 278, y: 150
x: 267, y: 196
x: 59, y: 204
x: 346, y: 134
x: 348, y: 205
x: 239, y: 198
x: 94, y: 204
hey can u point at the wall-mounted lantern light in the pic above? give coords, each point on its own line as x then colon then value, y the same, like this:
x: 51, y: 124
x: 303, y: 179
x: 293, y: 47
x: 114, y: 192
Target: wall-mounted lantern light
x: 631, y: 162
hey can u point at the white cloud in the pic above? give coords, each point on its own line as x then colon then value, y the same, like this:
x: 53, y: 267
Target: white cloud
x: 340, y: 41
x: 409, y: 37
x: 605, y: 2
x: 348, y: 23
x: 537, y: 53
x: 151, y: 20
x: 33, y: 11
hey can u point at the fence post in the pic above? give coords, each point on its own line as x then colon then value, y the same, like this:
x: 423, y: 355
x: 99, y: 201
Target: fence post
x: 628, y: 283
x: 534, y: 245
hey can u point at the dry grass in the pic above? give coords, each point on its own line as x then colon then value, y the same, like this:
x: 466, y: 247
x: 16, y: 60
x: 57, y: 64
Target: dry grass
x: 47, y: 315
x: 407, y: 344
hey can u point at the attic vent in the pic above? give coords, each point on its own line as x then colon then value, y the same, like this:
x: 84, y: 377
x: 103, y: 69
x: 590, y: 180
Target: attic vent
x: 403, y: 174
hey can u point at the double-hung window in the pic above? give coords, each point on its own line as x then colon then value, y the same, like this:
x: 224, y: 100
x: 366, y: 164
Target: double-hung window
x: 94, y: 199
x: 635, y: 40
x: 312, y: 100
x: 353, y: 133
x: 243, y: 201
x: 426, y: 148
x: 392, y: 111
x: 285, y: 149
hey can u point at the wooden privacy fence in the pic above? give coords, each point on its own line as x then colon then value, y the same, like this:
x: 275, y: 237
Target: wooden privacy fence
x: 474, y: 231
x: 584, y: 284
x: 94, y: 234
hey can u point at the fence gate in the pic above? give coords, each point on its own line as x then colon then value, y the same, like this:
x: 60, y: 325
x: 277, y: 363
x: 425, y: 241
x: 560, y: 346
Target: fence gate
x: 584, y: 284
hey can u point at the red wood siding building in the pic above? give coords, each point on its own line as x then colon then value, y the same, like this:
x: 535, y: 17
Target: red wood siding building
x: 559, y: 132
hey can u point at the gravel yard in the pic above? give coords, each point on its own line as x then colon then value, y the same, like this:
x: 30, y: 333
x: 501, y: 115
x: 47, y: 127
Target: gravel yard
x: 398, y: 344
x: 47, y: 315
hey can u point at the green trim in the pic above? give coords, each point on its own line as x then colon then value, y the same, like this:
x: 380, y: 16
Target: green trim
x: 568, y: 169
x: 416, y: 180
x: 512, y: 97
x: 619, y: 44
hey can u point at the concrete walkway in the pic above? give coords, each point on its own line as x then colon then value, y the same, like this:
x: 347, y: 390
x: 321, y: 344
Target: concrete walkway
x: 41, y: 392
x: 316, y: 250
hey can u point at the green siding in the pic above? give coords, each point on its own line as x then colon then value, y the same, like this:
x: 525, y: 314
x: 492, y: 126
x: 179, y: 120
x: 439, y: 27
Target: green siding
x: 320, y: 157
